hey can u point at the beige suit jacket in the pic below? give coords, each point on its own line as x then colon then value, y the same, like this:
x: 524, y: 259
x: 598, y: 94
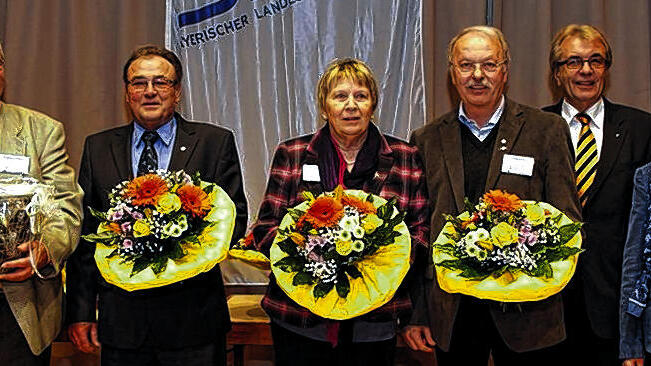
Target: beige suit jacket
x: 36, y: 303
x: 523, y: 131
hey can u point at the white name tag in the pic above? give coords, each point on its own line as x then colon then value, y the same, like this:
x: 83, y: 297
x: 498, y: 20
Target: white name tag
x: 14, y: 164
x: 516, y: 164
x: 311, y: 173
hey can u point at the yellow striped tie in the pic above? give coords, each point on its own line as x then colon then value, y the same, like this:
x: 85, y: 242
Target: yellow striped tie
x: 586, y: 158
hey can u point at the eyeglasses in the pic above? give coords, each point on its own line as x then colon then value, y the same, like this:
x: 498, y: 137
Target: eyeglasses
x: 576, y: 62
x: 161, y: 85
x: 488, y: 67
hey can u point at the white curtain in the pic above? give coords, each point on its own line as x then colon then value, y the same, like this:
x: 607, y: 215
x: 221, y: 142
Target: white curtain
x: 252, y: 66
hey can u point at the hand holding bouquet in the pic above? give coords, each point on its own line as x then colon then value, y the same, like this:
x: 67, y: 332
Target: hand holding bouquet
x: 341, y: 254
x: 506, y: 249
x: 162, y: 228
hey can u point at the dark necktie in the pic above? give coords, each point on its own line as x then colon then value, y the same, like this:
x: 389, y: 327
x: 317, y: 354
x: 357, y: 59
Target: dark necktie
x: 586, y: 158
x: 149, y: 158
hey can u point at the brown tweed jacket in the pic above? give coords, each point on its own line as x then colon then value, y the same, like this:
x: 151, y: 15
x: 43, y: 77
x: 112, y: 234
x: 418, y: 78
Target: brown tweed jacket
x: 523, y: 131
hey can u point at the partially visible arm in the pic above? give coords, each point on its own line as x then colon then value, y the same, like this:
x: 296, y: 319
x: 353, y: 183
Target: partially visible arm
x: 631, y: 344
x: 229, y: 178
x: 275, y: 201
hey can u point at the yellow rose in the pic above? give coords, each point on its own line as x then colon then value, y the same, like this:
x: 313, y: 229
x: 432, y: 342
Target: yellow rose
x: 141, y: 228
x: 169, y: 202
x: 504, y: 234
x: 465, y: 216
x: 535, y: 214
x: 371, y: 222
x: 344, y: 247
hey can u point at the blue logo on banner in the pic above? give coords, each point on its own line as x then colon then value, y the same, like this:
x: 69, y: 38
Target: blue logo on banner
x: 206, y: 12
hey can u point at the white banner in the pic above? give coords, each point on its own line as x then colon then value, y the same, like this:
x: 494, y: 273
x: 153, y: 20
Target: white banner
x: 253, y: 65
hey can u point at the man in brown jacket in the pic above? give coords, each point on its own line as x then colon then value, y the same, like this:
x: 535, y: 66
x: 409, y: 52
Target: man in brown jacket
x: 489, y: 142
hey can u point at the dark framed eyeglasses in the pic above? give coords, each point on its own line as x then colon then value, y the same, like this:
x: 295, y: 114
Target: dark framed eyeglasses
x: 488, y: 67
x: 161, y: 85
x: 596, y: 62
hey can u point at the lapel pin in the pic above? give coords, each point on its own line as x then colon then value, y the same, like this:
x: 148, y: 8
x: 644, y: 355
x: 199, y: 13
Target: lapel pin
x: 183, y: 148
x: 616, y: 135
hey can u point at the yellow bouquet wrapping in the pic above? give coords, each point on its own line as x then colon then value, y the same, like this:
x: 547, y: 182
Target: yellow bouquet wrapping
x: 162, y: 228
x: 507, y: 250
x: 342, y: 254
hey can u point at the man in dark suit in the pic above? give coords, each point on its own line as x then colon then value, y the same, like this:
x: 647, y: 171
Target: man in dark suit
x: 489, y: 142
x: 580, y: 58
x: 184, y: 323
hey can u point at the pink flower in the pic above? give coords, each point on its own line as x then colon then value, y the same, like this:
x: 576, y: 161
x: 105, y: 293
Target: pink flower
x: 126, y: 227
x: 127, y: 243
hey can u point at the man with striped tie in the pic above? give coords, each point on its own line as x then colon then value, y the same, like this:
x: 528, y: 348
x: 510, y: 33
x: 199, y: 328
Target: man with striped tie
x: 610, y: 142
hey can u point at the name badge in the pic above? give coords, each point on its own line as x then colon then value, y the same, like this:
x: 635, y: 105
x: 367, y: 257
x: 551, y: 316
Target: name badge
x: 14, y: 164
x: 311, y: 173
x: 516, y: 164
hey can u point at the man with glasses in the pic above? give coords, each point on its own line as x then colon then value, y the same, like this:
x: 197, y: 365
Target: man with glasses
x: 488, y: 142
x: 184, y: 323
x: 610, y: 141
x: 31, y: 295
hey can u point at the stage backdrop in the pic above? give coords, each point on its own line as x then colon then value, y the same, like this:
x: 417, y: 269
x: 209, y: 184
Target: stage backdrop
x: 252, y: 66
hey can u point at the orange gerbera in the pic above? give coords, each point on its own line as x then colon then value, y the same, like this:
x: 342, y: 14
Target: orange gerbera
x: 146, y: 189
x: 194, y: 200
x: 113, y: 227
x: 324, y: 212
x: 362, y: 206
x: 502, y: 201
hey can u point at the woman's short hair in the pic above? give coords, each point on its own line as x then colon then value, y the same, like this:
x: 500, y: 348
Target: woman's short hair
x: 346, y: 69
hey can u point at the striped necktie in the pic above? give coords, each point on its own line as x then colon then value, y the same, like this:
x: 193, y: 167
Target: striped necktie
x: 586, y: 158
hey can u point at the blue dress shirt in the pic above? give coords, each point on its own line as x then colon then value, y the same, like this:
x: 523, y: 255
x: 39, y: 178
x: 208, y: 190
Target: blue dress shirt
x: 164, y: 145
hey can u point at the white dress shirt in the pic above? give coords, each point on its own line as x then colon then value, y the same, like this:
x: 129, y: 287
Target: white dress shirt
x: 596, y: 113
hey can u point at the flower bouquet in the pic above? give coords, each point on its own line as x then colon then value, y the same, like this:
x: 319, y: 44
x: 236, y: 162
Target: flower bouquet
x: 508, y: 250
x: 341, y: 254
x: 162, y: 228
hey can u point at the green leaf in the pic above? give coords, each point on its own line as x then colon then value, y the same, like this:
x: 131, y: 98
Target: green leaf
x: 308, y: 196
x: 295, y: 214
x: 353, y: 272
x: 568, y: 231
x: 139, y: 264
x: 288, y: 246
x: 557, y: 219
x: 290, y: 264
x: 468, y: 205
x: 561, y: 253
x: 176, y: 252
x: 445, y: 248
x: 321, y: 289
x: 159, y: 266
x: 99, y: 214
x: 342, y: 286
x: 209, y: 188
x: 369, y: 198
x: 302, y: 278
x: 546, y: 270
x: 101, y: 237
x: 113, y: 253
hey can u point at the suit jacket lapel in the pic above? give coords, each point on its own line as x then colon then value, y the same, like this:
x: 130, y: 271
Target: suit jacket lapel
x: 121, y: 151
x: 453, y: 155
x: 184, y: 145
x: 612, y: 143
x: 510, y: 125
